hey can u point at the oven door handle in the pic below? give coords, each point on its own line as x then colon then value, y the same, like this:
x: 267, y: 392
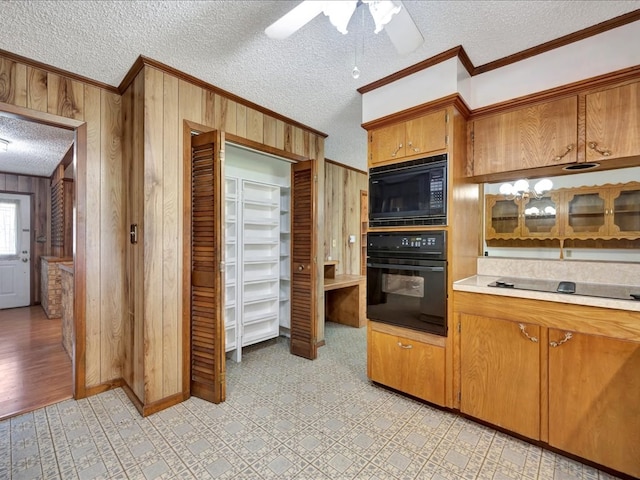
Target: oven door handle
x: 406, y: 267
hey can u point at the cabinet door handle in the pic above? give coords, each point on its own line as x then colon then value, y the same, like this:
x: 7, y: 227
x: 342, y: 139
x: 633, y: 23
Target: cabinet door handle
x: 408, y: 346
x: 393, y: 154
x: 524, y: 332
x: 415, y: 149
x: 567, y: 336
x: 560, y: 157
x: 602, y: 151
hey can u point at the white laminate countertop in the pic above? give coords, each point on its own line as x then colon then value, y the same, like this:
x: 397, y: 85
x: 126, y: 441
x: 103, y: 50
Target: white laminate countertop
x: 479, y: 284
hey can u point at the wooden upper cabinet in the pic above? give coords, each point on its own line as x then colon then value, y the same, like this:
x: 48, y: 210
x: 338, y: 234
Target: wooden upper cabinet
x: 537, y: 136
x: 522, y: 218
x: 603, y: 212
x: 613, y: 123
x: 411, y: 139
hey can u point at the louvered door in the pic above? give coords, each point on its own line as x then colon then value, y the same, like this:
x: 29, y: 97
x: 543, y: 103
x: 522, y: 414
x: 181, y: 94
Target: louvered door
x: 303, y: 276
x: 207, y: 296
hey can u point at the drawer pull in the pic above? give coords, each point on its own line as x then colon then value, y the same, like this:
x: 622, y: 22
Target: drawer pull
x: 560, y: 157
x: 401, y: 345
x: 524, y: 332
x: 415, y: 149
x: 602, y: 151
x: 567, y: 336
x: 393, y: 154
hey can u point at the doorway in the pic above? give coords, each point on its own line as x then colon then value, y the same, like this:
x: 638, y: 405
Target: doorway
x: 15, y: 246
x: 37, y: 370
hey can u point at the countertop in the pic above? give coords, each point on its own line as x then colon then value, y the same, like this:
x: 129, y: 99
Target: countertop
x: 479, y: 284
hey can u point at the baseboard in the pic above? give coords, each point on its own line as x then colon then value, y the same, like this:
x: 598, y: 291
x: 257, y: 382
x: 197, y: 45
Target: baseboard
x: 153, y: 407
x: 103, y: 387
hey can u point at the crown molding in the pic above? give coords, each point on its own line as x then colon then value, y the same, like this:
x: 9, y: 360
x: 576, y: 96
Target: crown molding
x: 56, y: 71
x: 502, y: 62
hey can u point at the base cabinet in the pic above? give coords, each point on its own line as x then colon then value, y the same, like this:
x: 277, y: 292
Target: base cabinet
x: 576, y: 389
x: 500, y: 373
x: 594, y: 399
x: 403, y: 360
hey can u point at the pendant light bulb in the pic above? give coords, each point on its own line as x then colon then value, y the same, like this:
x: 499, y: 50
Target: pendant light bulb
x: 355, y: 73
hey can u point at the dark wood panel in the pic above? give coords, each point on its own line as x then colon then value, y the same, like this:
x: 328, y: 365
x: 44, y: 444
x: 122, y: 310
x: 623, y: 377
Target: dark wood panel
x: 303, y: 285
x: 207, y: 329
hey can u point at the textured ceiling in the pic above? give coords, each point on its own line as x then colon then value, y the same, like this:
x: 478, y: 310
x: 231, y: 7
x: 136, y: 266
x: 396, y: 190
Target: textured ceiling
x: 34, y: 149
x: 306, y: 77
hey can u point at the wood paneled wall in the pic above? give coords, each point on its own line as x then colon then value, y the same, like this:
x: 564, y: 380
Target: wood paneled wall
x: 342, y: 216
x: 100, y: 183
x: 38, y: 188
x: 156, y: 106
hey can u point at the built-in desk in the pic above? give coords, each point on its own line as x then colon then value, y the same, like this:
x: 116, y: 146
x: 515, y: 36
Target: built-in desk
x: 345, y: 298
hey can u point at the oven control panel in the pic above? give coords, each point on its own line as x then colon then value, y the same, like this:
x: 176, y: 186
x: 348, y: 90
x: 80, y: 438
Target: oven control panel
x: 431, y: 243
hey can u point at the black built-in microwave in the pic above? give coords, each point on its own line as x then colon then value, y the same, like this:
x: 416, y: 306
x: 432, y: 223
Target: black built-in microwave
x: 409, y: 193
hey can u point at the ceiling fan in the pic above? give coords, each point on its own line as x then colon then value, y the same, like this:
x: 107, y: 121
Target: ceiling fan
x: 390, y: 16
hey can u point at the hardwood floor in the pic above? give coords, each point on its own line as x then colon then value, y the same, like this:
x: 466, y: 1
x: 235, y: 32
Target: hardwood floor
x: 35, y: 369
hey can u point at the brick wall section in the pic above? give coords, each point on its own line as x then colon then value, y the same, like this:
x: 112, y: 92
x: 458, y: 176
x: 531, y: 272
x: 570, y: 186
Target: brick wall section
x: 66, y: 274
x: 51, y: 285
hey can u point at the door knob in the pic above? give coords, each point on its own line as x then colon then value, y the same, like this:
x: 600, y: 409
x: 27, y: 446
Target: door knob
x: 300, y: 267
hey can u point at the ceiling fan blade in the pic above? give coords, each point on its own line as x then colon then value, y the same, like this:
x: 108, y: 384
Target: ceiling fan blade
x: 403, y: 32
x: 297, y: 18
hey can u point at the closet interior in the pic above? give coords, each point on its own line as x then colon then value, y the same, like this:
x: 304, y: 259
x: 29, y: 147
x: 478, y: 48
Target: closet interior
x: 257, y: 248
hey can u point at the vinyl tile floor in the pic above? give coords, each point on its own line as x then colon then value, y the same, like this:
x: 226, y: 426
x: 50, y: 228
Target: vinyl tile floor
x: 285, y: 417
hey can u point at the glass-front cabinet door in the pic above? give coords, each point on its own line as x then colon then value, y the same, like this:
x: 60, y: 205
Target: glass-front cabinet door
x: 502, y: 218
x: 586, y: 210
x: 540, y: 217
x: 625, y: 210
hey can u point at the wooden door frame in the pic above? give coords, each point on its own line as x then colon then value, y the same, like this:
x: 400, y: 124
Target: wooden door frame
x: 78, y: 357
x: 188, y: 127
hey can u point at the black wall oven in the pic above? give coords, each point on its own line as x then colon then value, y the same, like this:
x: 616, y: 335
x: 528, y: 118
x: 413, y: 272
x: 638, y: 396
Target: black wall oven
x: 409, y: 193
x: 407, y: 280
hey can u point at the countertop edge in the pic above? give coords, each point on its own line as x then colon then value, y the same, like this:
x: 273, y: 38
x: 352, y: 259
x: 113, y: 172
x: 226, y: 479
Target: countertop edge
x: 478, y: 284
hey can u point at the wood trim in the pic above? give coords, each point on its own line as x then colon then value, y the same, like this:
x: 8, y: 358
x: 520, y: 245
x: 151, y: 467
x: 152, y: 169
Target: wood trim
x: 57, y: 71
x: 143, y: 61
x: 502, y: 62
x: 619, y: 77
x: 560, y: 42
x: 410, y: 113
x: 429, y: 62
x: 44, y: 118
x: 262, y: 148
x: 105, y: 387
x: 348, y: 167
x: 80, y: 264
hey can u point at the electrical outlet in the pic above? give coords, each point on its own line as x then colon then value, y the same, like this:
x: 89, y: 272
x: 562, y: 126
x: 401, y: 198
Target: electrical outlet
x: 333, y: 242
x: 352, y: 239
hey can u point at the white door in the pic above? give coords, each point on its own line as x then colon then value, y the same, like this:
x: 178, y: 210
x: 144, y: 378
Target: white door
x: 15, y: 224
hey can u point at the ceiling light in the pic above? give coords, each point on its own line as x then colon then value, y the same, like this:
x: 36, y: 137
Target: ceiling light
x: 382, y: 12
x: 340, y: 12
x: 4, y: 145
x: 520, y: 189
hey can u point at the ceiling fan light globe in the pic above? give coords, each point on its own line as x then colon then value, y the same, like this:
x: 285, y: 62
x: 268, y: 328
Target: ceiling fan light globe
x: 339, y: 13
x: 382, y: 12
x: 543, y: 185
x: 506, y: 189
x: 521, y: 186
